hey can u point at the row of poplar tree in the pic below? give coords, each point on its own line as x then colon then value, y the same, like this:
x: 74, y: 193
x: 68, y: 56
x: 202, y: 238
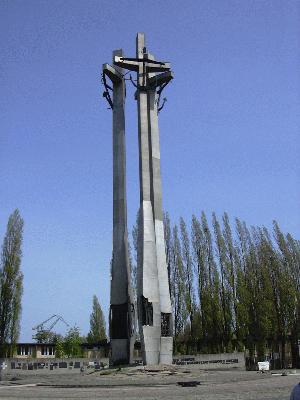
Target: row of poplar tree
x: 233, y: 287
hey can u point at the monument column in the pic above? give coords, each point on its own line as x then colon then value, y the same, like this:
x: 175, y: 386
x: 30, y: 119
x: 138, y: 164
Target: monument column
x: 166, y: 340
x: 154, y: 305
x: 148, y: 289
x: 121, y: 319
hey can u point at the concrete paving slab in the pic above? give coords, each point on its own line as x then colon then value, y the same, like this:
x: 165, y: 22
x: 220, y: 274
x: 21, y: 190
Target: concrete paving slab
x: 141, y: 383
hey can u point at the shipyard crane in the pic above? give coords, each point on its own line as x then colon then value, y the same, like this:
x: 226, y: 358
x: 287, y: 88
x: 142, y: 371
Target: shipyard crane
x: 43, y: 334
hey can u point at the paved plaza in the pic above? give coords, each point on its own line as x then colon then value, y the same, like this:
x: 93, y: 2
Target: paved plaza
x: 137, y: 383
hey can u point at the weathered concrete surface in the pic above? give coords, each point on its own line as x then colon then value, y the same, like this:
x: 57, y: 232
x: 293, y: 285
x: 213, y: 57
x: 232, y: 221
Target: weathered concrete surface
x: 42, y: 366
x: 142, y: 384
x: 121, y: 299
x: 148, y: 287
x: 166, y: 339
x: 153, y: 277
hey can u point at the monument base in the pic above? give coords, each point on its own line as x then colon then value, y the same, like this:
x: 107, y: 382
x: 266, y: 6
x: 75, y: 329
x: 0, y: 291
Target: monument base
x: 119, y: 352
x: 166, y: 350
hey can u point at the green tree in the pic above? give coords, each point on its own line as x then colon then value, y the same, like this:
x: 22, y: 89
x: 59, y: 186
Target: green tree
x: 287, y: 288
x: 254, y: 306
x: 225, y: 287
x: 11, y: 283
x: 188, y: 277
x: 59, y: 347
x: 97, y: 323
x: 178, y: 289
x: 232, y: 268
x: 45, y: 336
x: 201, y: 279
x: 72, y: 342
x: 213, y: 308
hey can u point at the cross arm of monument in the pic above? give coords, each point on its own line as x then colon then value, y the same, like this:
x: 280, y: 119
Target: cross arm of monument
x: 112, y: 73
x: 133, y: 64
x: 115, y: 76
x: 161, y: 79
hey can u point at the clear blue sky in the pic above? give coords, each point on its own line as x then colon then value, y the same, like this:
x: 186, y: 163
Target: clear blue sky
x: 229, y: 131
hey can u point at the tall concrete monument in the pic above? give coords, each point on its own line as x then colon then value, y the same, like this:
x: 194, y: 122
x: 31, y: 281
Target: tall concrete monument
x: 154, y: 305
x: 121, y: 318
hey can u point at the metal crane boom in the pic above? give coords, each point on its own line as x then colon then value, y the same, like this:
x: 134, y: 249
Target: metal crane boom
x: 40, y: 327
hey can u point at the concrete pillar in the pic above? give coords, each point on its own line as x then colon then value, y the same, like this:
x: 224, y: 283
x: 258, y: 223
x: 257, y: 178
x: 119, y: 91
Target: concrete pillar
x: 148, y: 289
x: 122, y: 305
x: 166, y: 340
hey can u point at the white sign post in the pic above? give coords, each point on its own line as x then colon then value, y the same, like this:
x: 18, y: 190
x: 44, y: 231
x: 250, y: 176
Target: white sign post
x: 263, y: 366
